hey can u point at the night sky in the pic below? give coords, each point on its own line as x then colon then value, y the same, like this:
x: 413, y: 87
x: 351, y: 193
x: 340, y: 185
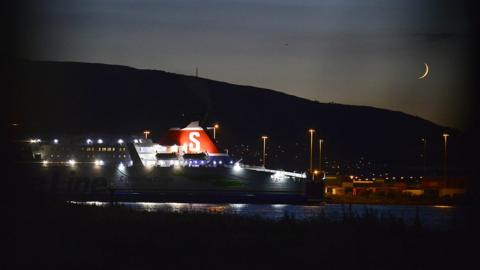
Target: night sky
x: 368, y: 53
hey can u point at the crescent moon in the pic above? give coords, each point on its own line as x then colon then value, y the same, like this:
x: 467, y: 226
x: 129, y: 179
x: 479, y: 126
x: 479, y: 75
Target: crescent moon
x: 426, y: 72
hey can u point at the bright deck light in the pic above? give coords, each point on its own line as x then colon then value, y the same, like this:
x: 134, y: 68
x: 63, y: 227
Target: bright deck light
x: 120, y: 141
x: 237, y: 167
x: 121, y: 166
x: 72, y: 162
x: 55, y: 141
x: 99, y: 141
x: 89, y: 141
x: 99, y: 162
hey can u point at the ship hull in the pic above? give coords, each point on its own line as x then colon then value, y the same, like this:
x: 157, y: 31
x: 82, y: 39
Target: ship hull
x: 86, y: 182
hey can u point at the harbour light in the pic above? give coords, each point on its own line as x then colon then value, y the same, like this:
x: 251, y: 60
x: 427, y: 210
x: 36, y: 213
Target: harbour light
x: 55, y: 141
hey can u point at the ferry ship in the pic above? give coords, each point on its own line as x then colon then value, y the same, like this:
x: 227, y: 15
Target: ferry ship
x: 185, y: 164
x: 186, y: 147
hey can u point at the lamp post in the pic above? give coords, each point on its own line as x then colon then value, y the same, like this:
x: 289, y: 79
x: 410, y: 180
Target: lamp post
x: 311, y: 148
x: 215, y: 130
x: 320, y: 155
x: 146, y: 132
x: 264, y: 138
x: 424, y: 140
x: 445, y: 136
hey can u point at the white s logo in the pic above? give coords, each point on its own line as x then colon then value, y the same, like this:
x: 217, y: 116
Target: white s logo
x: 194, y: 146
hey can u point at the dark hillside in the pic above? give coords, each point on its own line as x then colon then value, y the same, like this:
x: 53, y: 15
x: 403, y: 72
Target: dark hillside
x: 65, y: 97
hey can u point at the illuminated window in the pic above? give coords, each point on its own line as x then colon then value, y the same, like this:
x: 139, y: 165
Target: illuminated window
x: 99, y: 149
x: 104, y: 149
x: 109, y: 149
x: 113, y: 148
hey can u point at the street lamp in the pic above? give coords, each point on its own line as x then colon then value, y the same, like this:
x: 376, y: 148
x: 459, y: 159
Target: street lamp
x: 214, y: 130
x: 424, y: 140
x: 146, y: 132
x: 445, y: 136
x: 311, y: 148
x: 264, y: 138
x: 320, y: 155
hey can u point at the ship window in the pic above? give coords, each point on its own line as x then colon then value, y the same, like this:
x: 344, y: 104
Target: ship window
x: 104, y: 149
x: 113, y: 148
x: 124, y: 155
x: 109, y: 149
x: 99, y: 149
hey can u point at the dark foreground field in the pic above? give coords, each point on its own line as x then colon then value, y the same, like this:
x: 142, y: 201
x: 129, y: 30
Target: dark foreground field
x: 64, y: 236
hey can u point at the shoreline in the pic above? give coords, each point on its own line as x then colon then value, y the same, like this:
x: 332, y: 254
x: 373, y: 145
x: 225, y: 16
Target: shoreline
x: 395, y: 201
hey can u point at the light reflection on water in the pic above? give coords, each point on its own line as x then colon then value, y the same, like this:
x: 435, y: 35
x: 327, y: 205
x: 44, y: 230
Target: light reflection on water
x: 436, y: 217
